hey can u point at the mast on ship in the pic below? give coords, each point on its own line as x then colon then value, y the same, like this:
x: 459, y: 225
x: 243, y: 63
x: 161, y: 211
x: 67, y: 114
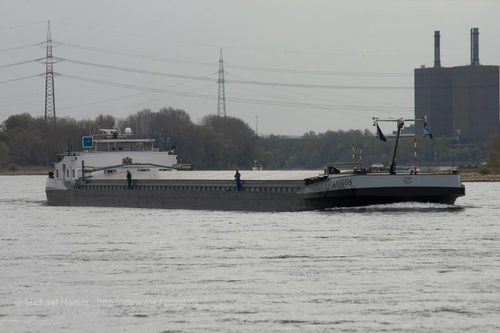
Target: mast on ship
x: 400, y: 124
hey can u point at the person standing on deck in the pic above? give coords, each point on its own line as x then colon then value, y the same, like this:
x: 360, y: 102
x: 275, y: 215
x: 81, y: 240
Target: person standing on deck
x: 237, y: 178
x: 129, y: 179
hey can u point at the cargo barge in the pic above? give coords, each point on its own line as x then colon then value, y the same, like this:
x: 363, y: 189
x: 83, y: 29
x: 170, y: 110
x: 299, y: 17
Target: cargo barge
x: 119, y: 170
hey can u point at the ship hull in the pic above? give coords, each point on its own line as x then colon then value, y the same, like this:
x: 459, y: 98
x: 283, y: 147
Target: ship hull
x: 352, y: 191
x: 144, y: 198
x: 377, y: 196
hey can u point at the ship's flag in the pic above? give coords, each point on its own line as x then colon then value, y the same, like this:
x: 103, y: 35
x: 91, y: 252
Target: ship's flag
x: 427, y: 131
x: 380, y: 135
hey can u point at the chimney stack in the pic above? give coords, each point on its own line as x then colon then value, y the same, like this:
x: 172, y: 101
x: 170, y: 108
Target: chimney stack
x: 437, y: 49
x: 474, y: 46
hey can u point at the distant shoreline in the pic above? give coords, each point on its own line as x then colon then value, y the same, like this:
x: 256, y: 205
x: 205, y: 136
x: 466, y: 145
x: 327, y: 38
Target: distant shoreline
x: 25, y: 171
x: 467, y: 176
x: 474, y: 177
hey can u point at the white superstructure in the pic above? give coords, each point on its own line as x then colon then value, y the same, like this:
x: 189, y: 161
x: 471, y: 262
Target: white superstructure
x: 108, y: 148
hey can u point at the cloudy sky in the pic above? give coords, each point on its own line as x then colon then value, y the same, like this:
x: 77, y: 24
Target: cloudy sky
x: 291, y: 65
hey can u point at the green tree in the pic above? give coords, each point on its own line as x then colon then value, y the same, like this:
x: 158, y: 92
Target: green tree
x: 22, y: 121
x: 4, y: 155
x: 231, y: 140
x: 494, y: 157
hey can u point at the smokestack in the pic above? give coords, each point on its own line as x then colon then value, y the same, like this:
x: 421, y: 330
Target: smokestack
x: 474, y: 46
x: 437, y: 49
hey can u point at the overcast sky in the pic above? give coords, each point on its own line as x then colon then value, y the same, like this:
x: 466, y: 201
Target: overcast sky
x: 297, y: 65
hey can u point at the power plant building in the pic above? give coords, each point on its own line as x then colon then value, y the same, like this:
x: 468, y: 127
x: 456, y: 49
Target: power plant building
x: 461, y: 101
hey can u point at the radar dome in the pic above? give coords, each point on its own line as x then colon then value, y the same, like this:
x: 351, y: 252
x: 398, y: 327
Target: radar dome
x: 128, y: 130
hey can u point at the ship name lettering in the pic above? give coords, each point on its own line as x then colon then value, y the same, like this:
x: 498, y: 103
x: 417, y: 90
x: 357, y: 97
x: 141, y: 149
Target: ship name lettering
x: 344, y: 182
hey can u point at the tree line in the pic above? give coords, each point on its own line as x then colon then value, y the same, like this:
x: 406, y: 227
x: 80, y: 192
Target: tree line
x: 226, y: 143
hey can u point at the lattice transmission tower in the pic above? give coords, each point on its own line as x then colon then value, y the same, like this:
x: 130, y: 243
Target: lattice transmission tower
x: 50, y: 98
x: 221, y: 98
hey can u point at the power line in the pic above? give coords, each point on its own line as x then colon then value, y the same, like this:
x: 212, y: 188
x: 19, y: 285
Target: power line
x: 256, y: 68
x: 136, y: 55
x: 321, y: 72
x: 235, y: 99
x: 66, y: 107
x: 101, y: 101
x: 19, y: 47
x: 21, y: 63
x: 248, y: 82
x: 21, y: 78
x: 137, y: 87
x: 313, y: 106
x: 138, y: 71
x: 320, y: 86
x: 295, y: 93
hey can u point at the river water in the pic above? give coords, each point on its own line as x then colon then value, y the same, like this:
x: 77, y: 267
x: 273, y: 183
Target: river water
x: 405, y: 267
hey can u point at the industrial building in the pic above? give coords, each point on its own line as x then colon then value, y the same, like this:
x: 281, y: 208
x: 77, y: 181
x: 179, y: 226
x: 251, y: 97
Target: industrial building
x: 460, y: 101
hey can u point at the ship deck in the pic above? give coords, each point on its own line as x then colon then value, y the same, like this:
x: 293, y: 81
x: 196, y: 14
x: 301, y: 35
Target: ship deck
x: 218, y: 175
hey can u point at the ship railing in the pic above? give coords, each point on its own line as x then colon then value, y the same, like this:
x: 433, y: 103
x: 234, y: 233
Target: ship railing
x: 68, y: 153
x: 315, y: 180
x: 343, y: 167
x: 88, y: 170
x: 176, y: 186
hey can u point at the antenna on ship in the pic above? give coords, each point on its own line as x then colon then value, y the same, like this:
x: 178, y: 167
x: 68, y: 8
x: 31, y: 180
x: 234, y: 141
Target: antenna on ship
x: 50, y: 99
x: 221, y: 98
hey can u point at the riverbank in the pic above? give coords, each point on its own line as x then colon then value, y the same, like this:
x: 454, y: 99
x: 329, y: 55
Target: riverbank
x: 472, y: 176
x: 25, y: 171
